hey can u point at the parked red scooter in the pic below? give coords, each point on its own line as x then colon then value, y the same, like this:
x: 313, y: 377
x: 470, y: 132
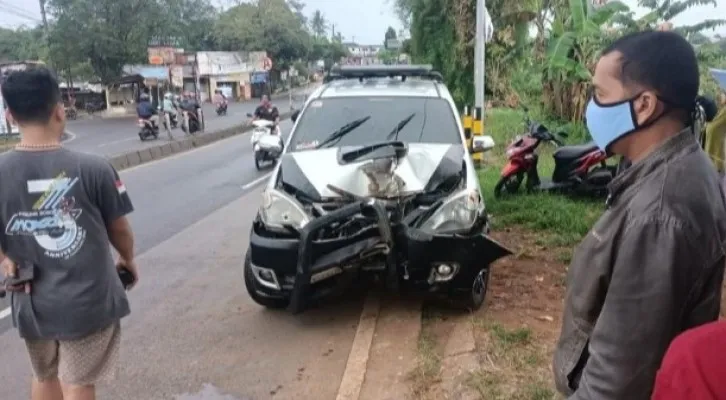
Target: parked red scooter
x: 579, y: 169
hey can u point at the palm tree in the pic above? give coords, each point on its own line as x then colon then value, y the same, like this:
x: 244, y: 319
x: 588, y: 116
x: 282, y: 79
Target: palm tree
x: 318, y: 24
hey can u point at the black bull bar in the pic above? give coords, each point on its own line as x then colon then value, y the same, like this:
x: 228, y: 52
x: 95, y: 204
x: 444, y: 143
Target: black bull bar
x: 303, y: 270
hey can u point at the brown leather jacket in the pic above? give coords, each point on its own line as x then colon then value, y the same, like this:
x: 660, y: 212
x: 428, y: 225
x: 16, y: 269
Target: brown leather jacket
x: 650, y: 268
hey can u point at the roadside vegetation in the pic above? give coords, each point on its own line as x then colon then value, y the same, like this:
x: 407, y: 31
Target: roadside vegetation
x: 547, y: 73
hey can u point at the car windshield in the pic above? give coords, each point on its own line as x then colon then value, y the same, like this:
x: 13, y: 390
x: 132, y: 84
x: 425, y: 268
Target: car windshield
x: 367, y: 120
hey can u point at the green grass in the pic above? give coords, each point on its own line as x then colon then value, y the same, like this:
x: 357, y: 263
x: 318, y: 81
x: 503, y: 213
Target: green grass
x: 563, y: 220
x: 7, y: 143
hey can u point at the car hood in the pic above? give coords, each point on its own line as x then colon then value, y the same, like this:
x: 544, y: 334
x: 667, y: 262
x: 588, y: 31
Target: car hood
x: 320, y: 174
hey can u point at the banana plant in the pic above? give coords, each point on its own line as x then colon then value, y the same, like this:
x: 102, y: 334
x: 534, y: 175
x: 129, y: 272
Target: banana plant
x: 575, y: 40
x: 578, y: 33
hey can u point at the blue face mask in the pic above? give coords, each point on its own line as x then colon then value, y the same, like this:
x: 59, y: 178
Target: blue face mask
x: 609, y: 122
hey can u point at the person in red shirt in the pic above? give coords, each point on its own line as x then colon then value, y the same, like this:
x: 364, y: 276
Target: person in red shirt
x: 694, y: 367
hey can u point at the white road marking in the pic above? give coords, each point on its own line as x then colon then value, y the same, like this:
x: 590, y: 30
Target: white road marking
x: 5, y: 313
x: 72, y: 136
x: 256, y: 181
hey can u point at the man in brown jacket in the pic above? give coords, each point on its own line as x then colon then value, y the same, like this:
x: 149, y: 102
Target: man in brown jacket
x: 653, y: 265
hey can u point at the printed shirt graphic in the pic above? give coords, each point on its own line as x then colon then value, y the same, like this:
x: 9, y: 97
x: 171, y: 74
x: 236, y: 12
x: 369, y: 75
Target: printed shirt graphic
x: 53, y: 219
x: 55, y: 210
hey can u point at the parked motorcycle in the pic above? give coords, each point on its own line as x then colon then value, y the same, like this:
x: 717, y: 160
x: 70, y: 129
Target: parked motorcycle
x: 149, y: 130
x: 579, y: 169
x: 267, y: 146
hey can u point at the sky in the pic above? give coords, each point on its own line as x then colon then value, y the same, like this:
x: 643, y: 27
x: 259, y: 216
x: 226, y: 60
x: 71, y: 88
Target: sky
x: 362, y: 21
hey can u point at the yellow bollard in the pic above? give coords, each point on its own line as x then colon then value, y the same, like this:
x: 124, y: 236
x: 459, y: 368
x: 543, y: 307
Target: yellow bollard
x: 477, y: 129
x: 467, y: 121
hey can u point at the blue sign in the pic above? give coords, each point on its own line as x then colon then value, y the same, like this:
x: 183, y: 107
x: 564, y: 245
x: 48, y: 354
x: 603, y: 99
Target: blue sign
x: 259, y: 77
x: 720, y: 76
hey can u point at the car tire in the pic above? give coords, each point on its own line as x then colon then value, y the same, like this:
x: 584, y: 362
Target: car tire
x: 473, y: 298
x: 509, y: 184
x: 251, y: 286
x: 258, y: 162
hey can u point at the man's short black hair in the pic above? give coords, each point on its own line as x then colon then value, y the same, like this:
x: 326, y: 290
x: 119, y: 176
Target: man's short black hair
x: 661, y: 61
x: 31, y: 95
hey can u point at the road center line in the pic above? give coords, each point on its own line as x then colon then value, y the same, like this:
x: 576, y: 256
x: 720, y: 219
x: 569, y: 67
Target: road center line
x: 256, y: 181
x: 5, y: 313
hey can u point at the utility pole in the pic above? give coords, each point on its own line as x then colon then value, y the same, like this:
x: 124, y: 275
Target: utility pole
x: 46, y: 29
x: 479, y: 51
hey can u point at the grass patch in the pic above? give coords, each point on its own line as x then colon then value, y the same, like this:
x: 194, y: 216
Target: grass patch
x: 515, y: 368
x: 428, y: 365
x: 565, y: 220
x: 8, y: 142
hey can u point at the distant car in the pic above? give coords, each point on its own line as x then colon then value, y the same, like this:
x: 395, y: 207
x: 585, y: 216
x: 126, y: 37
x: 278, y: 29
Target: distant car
x: 376, y: 179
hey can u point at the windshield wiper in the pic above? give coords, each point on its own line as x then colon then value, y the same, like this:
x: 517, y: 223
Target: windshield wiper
x: 342, y: 131
x: 394, y: 133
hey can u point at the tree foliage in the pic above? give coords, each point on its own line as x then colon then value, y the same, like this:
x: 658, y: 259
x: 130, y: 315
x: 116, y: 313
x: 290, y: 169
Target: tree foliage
x: 267, y: 25
x: 553, y: 66
x: 390, y: 34
x: 96, y: 38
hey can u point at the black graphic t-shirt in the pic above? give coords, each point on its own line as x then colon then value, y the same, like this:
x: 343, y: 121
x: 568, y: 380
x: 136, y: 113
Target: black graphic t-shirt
x: 55, y: 207
x: 270, y: 114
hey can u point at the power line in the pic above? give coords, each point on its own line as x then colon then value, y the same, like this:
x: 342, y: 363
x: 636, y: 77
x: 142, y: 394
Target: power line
x: 17, y: 11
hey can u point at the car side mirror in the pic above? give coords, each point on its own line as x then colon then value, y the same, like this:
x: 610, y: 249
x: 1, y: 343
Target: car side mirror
x: 481, y: 144
x: 249, y: 115
x: 294, y: 115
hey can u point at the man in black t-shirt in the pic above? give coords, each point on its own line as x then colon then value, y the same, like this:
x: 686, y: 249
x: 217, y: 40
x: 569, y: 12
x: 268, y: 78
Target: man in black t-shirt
x: 268, y: 112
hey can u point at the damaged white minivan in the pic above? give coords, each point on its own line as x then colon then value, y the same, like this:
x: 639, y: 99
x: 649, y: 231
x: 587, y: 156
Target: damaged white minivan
x: 376, y: 179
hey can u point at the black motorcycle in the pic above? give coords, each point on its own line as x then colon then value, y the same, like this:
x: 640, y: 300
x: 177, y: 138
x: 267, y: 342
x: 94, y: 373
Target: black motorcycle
x: 221, y: 109
x: 149, y: 130
x: 190, y: 122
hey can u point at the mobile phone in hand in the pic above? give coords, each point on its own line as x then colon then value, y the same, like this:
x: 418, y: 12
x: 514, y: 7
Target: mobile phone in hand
x: 127, y: 278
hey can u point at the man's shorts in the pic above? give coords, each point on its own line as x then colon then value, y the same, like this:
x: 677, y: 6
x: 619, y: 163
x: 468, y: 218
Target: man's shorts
x: 79, y: 362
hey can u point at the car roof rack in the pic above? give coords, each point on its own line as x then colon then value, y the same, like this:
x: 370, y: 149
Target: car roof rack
x: 362, y: 72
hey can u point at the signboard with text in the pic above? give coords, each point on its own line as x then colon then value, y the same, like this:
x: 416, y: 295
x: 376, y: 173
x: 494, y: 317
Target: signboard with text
x: 163, y: 55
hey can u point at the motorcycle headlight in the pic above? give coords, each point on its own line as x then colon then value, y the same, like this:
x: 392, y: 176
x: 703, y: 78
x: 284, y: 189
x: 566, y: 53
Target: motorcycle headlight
x: 458, y: 212
x: 280, y: 210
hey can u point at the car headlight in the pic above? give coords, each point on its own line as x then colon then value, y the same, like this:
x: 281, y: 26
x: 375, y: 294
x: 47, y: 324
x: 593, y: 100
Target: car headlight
x: 280, y: 210
x: 458, y: 212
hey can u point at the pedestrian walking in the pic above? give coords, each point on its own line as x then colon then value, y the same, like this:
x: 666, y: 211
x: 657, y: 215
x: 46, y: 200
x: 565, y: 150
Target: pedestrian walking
x: 653, y: 265
x: 59, y: 211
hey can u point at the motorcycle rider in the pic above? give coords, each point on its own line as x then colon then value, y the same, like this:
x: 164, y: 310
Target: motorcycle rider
x: 169, y: 106
x: 189, y: 104
x: 267, y: 111
x: 220, y: 101
x: 146, y: 111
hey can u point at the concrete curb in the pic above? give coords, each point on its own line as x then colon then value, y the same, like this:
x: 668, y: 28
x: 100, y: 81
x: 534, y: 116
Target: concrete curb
x: 167, y: 148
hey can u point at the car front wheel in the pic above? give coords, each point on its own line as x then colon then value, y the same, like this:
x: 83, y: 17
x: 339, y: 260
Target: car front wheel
x: 251, y: 286
x: 473, y: 298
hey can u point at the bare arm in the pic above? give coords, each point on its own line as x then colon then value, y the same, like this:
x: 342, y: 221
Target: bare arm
x: 122, y: 237
x: 646, y: 295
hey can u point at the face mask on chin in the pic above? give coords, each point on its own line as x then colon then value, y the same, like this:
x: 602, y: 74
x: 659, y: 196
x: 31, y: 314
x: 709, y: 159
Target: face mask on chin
x: 609, y: 122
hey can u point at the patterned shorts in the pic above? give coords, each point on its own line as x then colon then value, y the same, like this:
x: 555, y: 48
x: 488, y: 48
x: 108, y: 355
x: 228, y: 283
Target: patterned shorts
x: 79, y: 362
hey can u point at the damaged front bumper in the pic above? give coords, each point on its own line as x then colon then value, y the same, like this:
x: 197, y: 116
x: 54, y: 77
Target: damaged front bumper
x: 302, y: 267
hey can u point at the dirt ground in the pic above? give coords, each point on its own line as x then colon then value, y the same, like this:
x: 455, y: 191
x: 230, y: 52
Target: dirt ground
x: 514, y: 333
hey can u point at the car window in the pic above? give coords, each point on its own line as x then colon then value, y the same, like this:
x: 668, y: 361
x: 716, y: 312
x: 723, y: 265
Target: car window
x: 432, y: 122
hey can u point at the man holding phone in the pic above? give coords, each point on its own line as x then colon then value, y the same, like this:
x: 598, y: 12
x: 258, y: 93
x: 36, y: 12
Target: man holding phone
x: 59, y: 211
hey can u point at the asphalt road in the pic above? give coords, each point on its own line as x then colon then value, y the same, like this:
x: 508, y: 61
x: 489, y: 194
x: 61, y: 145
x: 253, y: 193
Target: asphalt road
x: 113, y: 136
x: 194, y: 333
